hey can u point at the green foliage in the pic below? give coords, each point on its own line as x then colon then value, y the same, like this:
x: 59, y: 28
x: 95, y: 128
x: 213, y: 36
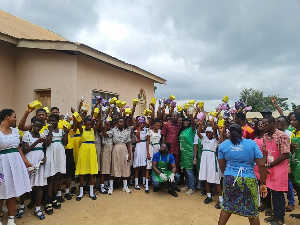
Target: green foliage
x: 256, y: 99
x: 294, y: 106
x: 155, y: 88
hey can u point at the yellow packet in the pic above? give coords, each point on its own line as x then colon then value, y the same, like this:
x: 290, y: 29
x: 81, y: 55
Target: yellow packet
x: 47, y: 110
x: 66, y: 124
x: 118, y: 103
x: 221, y: 123
x: 96, y: 112
x: 128, y: 111
x: 212, y: 113
x: 123, y: 104
x: 186, y: 106
x: 77, y: 116
x: 113, y: 100
x: 172, y: 97
x: 225, y: 99
x: 201, y: 105
x: 35, y: 104
x: 179, y: 108
x: 153, y: 101
x: 135, y: 102
x: 192, y: 102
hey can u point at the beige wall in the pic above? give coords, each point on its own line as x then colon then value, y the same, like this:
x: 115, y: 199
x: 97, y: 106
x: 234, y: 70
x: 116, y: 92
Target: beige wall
x: 96, y: 75
x: 69, y: 77
x: 7, y: 59
x: 43, y: 69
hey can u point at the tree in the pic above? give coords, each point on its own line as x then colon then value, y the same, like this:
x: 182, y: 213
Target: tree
x: 294, y: 106
x: 256, y: 99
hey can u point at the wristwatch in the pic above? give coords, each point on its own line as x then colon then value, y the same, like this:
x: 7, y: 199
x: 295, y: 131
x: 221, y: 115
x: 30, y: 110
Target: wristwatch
x: 270, y: 165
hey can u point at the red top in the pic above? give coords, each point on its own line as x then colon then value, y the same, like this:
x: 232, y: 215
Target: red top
x: 171, y: 133
x: 248, y: 132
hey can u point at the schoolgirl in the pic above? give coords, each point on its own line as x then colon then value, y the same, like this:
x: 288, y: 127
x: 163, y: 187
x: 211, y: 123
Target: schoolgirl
x: 209, y: 166
x: 87, y: 156
x: 140, y: 153
x: 34, y: 152
x: 153, y: 146
x: 105, y: 165
x: 55, y: 160
x: 121, y: 156
x: 13, y: 173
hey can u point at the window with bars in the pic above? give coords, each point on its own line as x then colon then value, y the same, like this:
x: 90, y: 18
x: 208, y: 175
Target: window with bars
x: 103, y: 94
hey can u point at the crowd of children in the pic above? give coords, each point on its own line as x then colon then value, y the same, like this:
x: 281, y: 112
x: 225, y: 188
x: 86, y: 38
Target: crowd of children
x: 112, y: 146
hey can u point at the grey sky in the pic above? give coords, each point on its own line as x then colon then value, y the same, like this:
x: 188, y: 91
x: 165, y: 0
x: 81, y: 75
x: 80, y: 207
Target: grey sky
x: 204, y: 49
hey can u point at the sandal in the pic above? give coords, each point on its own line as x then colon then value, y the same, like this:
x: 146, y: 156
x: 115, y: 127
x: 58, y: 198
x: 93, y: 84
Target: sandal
x: 40, y: 214
x: 56, y: 204
x: 268, y: 212
x: 20, y: 213
x: 93, y: 197
x: 49, y: 209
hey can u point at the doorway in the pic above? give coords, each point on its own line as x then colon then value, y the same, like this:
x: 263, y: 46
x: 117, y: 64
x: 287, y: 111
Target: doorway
x: 44, y: 96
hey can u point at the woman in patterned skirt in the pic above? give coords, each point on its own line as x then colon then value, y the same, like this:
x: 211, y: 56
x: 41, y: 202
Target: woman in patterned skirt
x: 240, y: 192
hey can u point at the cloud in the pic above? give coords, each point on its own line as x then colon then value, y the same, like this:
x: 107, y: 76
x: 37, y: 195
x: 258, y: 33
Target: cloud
x: 67, y: 17
x: 204, y: 49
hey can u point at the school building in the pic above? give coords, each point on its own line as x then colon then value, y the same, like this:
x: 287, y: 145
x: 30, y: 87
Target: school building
x: 36, y: 63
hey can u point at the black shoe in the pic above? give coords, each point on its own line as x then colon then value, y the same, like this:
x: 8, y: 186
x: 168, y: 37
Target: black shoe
x: 30, y: 205
x: 56, y: 204
x: 207, y: 200
x: 295, y: 216
x: 155, y: 189
x: 73, y: 191
x: 176, y: 189
x: 103, y: 191
x: 49, y: 209
x: 60, y: 199
x: 270, y: 219
x: 78, y: 198
x: 68, y: 196
x: 203, y: 192
x: 218, y: 205
x: 172, y: 192
x: 147, y: 191
x: 93, y: 197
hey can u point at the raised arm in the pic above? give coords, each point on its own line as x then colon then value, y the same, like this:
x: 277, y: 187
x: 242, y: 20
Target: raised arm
x: 159, y: 113
x: 222, y: 131
x: 99, y: 123
x: 212, y: 123
x: 193, y: 124
x: 273, y: 99
x: 22, y: 122
x: 80, y: 104
x: 199, y: 130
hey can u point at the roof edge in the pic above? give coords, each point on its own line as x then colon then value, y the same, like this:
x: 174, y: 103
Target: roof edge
x: 8, y: 38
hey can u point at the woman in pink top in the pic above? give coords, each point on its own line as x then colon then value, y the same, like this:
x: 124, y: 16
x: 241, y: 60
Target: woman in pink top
x: 259, y: 141
x: 266, y: 202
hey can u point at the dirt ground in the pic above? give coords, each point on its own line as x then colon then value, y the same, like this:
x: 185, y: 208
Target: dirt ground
x: 139, y: 208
